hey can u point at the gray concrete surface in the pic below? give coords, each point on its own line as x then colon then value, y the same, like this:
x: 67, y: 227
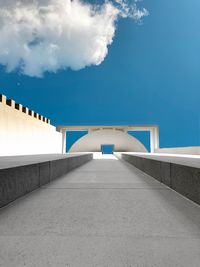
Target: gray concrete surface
x: 106, y: 213
x: 186, y: 160
x: 16, y: 161
x: 182, y: 178
x: 30, y: 172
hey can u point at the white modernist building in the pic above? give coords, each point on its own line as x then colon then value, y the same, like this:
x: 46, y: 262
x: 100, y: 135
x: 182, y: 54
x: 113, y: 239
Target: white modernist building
x: 115, y: 135
x: 25, y: 132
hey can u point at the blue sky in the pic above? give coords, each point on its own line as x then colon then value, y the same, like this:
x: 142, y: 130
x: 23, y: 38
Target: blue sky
x: 151, y: 75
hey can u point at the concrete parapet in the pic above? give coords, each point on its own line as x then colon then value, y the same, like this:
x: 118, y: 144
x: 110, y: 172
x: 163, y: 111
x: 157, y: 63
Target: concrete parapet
x: 3, y: 99
x: 25, y: 132
x: 183, y: 179
x: 35, y: 115
x: 186, y: 181
x: 10, y: 103
x: 30, y: 112
x: 17, y: 181
x: 17, y: 106
x: 25, y: 110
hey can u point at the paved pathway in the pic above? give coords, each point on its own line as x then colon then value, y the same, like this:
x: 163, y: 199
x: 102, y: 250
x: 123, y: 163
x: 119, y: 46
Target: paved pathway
x: 103, y: 214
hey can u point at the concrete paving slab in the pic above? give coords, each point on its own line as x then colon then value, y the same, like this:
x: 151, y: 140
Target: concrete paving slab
x: 80, y: 224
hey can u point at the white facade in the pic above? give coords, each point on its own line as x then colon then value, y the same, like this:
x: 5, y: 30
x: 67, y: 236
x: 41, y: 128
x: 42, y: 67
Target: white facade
x: 24, y: 134
x: 94, y: 139
x: 116, y: 134
x: 193, y: 150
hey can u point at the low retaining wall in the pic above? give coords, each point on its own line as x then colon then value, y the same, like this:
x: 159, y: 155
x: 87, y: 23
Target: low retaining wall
x: 193, y: 150
x: 183, y: 179
x: 18, y: 181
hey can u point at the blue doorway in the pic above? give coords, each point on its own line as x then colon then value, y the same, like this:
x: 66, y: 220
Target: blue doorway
x: 107, y: 149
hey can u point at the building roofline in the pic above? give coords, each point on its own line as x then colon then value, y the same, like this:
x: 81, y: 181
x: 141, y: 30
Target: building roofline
x: 97, y: 127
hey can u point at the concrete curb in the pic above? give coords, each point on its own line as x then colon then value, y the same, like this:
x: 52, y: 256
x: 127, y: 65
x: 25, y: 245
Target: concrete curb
x: 183, y: 179
x: 18, y: 181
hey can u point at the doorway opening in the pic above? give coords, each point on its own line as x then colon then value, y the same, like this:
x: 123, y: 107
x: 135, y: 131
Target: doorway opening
x: 107, y: 149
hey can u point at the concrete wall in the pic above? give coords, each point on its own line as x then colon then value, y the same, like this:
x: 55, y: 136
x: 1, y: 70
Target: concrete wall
x: 22, y: 131
x: 15, y: 182
x: 195, y: 150
x: 183, y: 179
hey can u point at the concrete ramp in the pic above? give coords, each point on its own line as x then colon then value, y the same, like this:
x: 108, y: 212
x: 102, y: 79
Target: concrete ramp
x: 104, y: 213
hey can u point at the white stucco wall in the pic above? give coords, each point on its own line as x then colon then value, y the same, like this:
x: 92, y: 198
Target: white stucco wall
x: 22, y: 134
x: 193, y: 150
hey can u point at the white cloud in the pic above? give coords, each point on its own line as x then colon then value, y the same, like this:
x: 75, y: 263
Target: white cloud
x: 47, y: 35
x: 130, y: 10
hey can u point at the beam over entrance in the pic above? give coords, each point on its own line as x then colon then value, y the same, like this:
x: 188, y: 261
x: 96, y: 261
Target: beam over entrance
x: 153, y: 129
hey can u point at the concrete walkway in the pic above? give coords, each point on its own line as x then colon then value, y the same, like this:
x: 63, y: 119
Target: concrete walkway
x: 103, y: 214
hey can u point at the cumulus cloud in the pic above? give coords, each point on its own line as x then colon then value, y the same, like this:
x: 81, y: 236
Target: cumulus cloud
x: 47, y: 35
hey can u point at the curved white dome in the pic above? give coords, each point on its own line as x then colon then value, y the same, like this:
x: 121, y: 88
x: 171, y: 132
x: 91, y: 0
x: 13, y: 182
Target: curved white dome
x: 121, y: 140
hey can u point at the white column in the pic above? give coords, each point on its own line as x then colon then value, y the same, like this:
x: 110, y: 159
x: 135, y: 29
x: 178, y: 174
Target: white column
x: 63, y: 131
x: 154, y: 139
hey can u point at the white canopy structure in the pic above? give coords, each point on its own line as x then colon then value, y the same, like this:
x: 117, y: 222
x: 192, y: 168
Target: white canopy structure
x: 115, y: 135
x: 122, y: 141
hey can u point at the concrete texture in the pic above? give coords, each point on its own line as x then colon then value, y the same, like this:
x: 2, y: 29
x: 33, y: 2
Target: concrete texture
x: 152, y: 168
x: 106, y: 213
x: 181, y: 178
x: 21, y: 175
x: 165, y: 173
x: 186, y: 181
x: 186, y: 160
x: 17, y: 161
